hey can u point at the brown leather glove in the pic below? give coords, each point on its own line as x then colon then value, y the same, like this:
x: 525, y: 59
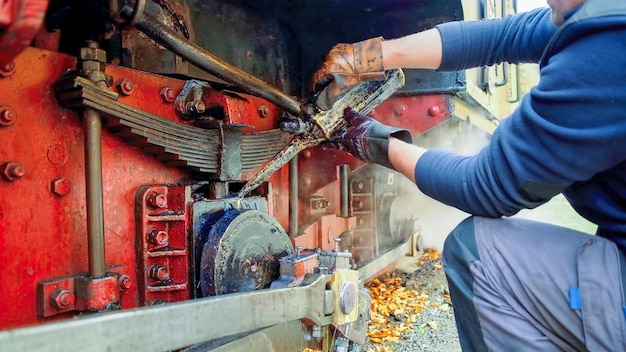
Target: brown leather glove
x: 367, y: 139
x: 345, y: 66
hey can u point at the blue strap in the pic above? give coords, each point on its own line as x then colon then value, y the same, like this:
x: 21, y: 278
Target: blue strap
x: 574, y: 298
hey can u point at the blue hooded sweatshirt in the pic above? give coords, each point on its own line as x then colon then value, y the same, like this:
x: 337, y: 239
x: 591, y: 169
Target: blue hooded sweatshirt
x: 569, y: 133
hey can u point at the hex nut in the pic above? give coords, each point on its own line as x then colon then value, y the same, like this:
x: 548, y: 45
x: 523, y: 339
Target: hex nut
x: 62, y: 298
x: 157, y: 200
x: 13, y: 171
x: 168, y: 95
x: 61, y: 187
x: 126, y: 87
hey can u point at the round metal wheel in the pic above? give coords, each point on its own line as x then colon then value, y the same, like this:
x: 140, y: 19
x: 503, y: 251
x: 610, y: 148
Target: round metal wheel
x: 242, y: 253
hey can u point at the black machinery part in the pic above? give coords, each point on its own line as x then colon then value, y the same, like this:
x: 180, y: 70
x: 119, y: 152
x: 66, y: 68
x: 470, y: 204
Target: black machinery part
x: 242, y: 253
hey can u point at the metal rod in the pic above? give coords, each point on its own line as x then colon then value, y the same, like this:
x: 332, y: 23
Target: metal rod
x: 344, y: 175
x: 93, y: 180
x: 210, y: 63
x: 293, y: 197
x: 119, y: 331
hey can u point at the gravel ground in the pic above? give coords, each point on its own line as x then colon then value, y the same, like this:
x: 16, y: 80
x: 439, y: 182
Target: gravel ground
x: 430, y: 327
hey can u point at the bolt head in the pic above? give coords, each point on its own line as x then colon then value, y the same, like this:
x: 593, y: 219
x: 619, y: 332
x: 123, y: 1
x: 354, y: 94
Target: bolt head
x: 126, y: 87
x: 158, y: 237
x: 125, y: 282
x: 263, y: 110
x: 62, y: 298
x: 168, y: 95
x: 159, y: 272
x: 157, y: 200
x: 13, y: 171
x: 7, y: 116
x: 61, y: 187
x: 7, y: 69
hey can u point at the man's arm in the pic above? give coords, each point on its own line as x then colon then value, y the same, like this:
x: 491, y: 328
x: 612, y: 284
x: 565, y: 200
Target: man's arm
x: 420, y: 50
x: 404, y: 157
x: 467, y: 44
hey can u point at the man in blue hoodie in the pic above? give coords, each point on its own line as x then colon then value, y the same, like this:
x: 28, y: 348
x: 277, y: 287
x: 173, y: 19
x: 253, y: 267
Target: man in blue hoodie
x: 519, y: 285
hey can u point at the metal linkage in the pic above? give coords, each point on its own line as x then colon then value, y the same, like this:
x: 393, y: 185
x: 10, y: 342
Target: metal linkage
x: 193, y: 321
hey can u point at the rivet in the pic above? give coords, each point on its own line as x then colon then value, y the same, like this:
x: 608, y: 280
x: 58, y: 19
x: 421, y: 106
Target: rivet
x: 399, y: 110
x: 434, y: 110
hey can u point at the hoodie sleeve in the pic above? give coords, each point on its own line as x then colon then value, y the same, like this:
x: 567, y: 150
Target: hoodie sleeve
x: 568, y: 130
x: 519, y: 38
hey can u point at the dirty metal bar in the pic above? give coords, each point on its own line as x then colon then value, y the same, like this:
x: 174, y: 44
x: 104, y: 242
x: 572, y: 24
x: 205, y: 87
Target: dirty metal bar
x: 344, y: 175
x: 210, y: 63
x: 293, y: 197
x: 194, y: 321
x: 93, y: 179
x: 375, y: 267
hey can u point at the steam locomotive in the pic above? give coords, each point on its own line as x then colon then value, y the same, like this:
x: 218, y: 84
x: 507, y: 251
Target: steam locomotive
x: 149, y: 198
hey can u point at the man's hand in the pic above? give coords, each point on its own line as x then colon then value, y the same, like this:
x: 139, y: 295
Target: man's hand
x: 367, y: 139
x: 345, y: 66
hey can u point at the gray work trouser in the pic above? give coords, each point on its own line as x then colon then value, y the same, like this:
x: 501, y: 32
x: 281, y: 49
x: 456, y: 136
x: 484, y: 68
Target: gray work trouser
x: 520, y: 285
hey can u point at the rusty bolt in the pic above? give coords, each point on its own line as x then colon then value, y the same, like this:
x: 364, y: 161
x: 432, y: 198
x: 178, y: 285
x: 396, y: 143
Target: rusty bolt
x: 434, y: 110
x: 159, y: 272
x: 13, y: 171
x: 168, y: 95
x: 157, y: 200
x: 158, y: 237
x: 7, y: 116
x: 125, y: 282
x: 195, y: 107
x: 61, y: 186
x: 126, y: 87
x: 8, y: 69
x: 61, y: 298
x: 263, y: 110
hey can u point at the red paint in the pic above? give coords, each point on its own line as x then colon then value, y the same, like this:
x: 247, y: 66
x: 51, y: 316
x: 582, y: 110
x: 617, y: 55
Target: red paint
x: 43, y: 231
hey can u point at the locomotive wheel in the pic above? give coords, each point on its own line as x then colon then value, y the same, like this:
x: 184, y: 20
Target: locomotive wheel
x: 242, y: 253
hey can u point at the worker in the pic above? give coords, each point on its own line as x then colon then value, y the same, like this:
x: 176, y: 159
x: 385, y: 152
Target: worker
x: 515, y: 284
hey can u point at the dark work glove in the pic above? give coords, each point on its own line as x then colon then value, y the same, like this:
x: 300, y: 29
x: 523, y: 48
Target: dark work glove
x: 345, y: 66
x: 367, y: 139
